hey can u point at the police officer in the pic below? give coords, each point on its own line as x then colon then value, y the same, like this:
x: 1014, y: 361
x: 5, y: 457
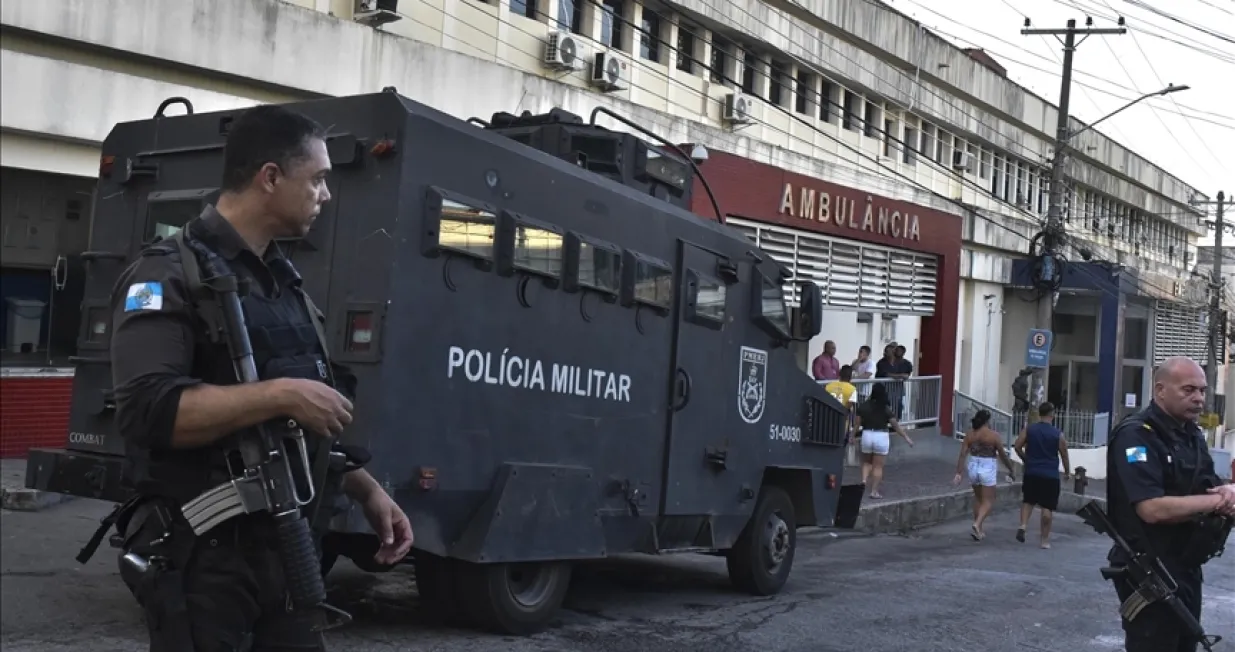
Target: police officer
x: 177, y: 398
x: 1161, y: 492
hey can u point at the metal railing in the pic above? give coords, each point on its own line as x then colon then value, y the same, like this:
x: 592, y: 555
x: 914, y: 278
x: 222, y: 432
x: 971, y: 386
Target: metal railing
x: 915, y: 400
x: 1081, y: 428
x: 965, y: 406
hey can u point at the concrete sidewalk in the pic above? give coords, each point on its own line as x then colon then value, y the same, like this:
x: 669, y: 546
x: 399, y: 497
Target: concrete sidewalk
x: 920, y: 493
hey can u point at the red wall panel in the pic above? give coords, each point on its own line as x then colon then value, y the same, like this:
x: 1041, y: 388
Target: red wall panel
x: 34, y: 413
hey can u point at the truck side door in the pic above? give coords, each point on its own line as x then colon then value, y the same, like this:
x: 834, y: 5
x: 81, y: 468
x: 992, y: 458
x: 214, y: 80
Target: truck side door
x: 705, y: 382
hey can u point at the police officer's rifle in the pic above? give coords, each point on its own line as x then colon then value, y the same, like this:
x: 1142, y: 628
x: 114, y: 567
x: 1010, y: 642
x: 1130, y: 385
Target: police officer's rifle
x: 276, y: 461
x: 1146, y: 573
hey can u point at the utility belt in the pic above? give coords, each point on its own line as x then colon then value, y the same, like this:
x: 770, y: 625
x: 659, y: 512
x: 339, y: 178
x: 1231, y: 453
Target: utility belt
x: 156, y: 544
x: 172, y: 496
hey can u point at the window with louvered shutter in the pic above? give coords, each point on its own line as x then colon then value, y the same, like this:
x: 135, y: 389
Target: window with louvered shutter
x: 850, y: 275
x: 1180, y: 330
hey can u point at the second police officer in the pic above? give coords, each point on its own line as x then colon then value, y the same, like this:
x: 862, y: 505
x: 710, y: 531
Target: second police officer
x: 177, y: 399
x: 1166, y: 500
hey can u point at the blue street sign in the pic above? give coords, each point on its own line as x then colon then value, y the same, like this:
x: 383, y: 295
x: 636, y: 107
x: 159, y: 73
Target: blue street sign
x: 1038, y: 349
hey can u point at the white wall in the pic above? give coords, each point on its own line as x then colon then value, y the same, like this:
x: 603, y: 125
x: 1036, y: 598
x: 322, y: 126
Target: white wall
x: 1018, y: 318
x: 842, y: 327
x: 980, y: 340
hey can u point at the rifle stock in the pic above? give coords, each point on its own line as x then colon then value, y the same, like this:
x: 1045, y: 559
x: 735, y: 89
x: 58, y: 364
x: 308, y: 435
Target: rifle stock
x: 277, y: 476
x: 1146, y: 573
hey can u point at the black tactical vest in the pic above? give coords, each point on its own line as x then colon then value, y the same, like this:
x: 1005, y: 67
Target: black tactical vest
x: 285, y: 345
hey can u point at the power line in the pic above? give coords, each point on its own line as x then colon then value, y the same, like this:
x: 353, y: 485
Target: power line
x: 812, y: 67
x: 1033, y: 218
x: 915, y: 83
x: 773, y: 30
x: 1102, y: 78
x: 1188, y: 42
x: 969, y: 209
x: 1204, y: 30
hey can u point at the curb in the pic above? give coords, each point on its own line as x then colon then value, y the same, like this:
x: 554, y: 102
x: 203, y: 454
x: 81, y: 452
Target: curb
x: 902, y: 516
x: 30, y: 500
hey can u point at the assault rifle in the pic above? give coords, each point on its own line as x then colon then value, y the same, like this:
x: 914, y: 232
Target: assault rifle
x: 277, y: 474
x: 1147, y: 574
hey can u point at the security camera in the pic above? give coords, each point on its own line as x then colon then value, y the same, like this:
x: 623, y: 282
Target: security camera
x: 699, y: 154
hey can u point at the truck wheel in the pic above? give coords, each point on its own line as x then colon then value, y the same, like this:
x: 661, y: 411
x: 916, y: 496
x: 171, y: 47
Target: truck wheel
x: 517, y: 599
x: 760, y: 559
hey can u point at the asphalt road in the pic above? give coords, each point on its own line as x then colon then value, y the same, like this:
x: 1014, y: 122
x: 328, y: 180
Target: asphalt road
x: 937, y: 591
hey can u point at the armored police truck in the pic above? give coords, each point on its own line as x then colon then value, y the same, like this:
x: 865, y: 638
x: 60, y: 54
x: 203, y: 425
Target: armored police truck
x: 557, y: 360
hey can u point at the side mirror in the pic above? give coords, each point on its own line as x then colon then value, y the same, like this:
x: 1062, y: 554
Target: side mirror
x: 808, y: 320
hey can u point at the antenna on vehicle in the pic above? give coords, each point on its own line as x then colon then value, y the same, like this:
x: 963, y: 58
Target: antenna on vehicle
x: 707, y: 188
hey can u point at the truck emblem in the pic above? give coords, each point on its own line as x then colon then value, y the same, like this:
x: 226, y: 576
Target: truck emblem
x: 752, y: 384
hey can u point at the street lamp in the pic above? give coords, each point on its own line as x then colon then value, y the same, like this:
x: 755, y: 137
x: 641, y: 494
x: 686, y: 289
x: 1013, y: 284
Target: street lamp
x: 1169, y: 89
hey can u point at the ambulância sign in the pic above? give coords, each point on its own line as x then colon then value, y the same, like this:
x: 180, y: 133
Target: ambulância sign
x: 870, y: 216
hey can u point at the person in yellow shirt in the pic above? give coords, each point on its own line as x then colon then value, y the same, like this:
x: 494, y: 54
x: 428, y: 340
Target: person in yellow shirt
x: 843, y: 390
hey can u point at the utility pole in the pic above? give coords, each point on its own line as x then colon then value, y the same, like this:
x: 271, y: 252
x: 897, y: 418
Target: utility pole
x: 1215, y: 314
x: 1053, y: 235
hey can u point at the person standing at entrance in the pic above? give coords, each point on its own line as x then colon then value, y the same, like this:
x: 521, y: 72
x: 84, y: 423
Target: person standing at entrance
x: 863, y: 366
x: 1041, y: 446
x: 826, y: 366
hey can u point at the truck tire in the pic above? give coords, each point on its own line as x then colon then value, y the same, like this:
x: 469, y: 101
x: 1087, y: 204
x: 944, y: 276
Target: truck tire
x: 514, y: 599
x: 760, y: 560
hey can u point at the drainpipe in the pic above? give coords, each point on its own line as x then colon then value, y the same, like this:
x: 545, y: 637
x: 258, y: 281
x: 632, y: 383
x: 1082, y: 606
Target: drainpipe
x: 990, y: 311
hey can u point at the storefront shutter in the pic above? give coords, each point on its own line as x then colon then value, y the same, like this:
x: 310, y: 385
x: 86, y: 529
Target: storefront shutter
x: 851, y: 275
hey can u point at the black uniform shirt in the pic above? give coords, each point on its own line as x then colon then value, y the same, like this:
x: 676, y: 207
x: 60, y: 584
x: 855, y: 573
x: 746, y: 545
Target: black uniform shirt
x: 155, y: 333
x: 1152, y: 457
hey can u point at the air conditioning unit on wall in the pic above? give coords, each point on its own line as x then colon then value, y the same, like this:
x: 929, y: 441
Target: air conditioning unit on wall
x: 610, y: 71
x: 738, y: 108
x: 563, y: 51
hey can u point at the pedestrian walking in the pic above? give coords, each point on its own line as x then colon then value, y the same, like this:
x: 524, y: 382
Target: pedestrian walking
x: 1041, y: 447
x: 874, y: 420
x: 984, y: 449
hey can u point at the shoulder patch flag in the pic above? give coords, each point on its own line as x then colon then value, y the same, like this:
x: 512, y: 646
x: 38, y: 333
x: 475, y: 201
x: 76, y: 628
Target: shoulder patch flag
x: 144, y: 296
x: 1136, y: 454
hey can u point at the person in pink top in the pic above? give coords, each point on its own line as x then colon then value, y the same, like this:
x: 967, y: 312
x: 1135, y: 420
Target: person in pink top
x: 826, y: 366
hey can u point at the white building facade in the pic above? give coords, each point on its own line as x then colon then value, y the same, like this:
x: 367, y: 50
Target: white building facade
x: 874, y: 111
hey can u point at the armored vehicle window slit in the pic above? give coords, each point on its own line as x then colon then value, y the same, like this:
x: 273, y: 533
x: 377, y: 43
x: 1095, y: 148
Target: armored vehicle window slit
x: 530, y: 246
x: 770, y: 312
x: 168, y: 211
x: 459, y: 225
x: 647, y: 281
x: 94, y: 327
x: 706, y: 304
x: 594, y: 265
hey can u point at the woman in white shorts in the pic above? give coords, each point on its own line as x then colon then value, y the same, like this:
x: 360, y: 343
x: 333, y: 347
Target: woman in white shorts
x: 985, y: 450
x: 874, y: 418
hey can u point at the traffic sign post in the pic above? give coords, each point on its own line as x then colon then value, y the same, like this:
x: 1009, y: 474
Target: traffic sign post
x: 1038, y: 349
